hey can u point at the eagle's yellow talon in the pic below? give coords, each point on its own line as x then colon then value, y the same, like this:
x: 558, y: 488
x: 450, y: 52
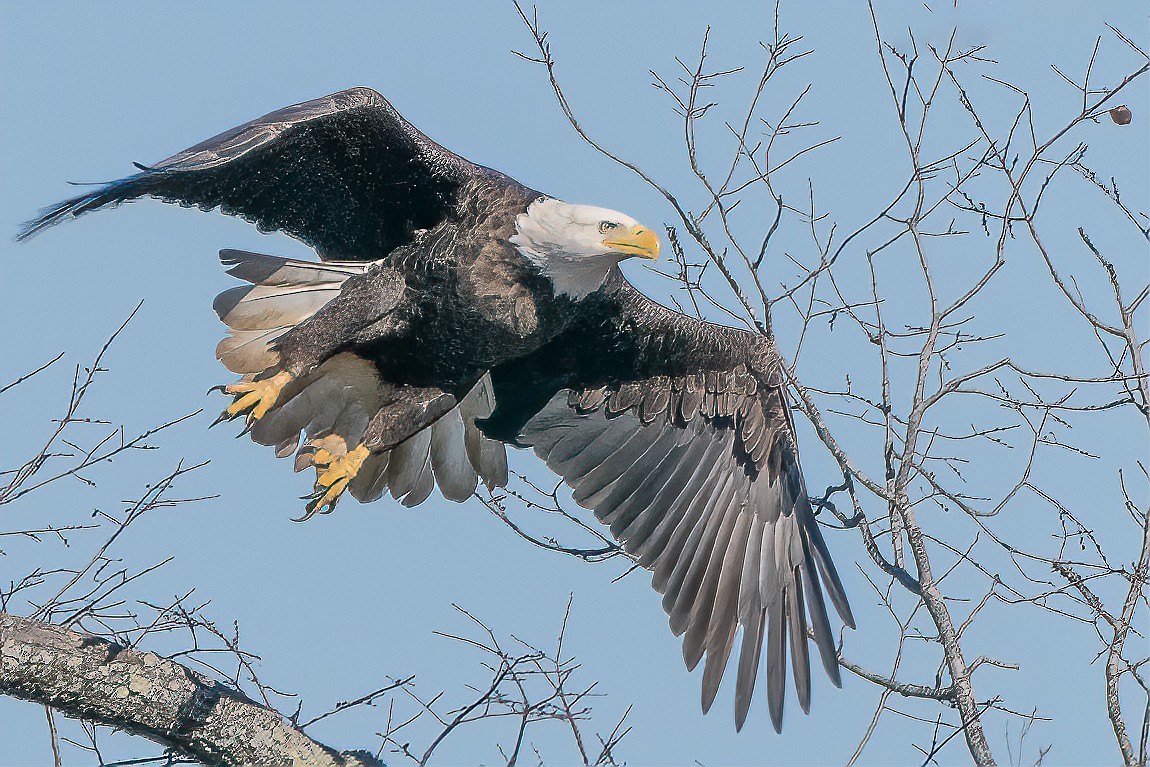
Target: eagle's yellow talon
x: 258, y: 396
x: 322, y: 457
x: 333, y: 474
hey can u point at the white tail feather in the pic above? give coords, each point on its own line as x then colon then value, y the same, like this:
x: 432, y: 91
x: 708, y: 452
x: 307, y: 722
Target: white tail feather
x: 370, y: 482
x: 262, y: 269
x: 260, y: 307
x: 249, y: 351
x: 454, y: 474
x: 409, y: 461
x: 487, y: 456
x: 284, y: 292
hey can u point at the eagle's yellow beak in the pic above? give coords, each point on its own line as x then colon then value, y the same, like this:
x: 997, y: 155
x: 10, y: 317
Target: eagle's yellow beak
x: 637, y: 241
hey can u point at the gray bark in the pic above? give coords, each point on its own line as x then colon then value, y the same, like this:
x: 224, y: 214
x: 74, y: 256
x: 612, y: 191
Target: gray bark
x: 90, y: 678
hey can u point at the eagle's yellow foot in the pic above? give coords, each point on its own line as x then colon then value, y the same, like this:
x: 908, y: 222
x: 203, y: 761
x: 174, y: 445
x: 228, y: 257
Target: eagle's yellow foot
x: 255, y: 398
x: 333, y: 473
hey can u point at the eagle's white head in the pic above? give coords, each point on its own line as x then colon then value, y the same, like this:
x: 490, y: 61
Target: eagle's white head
x: 576, y: 245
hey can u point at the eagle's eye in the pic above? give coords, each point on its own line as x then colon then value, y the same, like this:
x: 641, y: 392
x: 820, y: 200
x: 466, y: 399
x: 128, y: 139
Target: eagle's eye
x: 606, y: 226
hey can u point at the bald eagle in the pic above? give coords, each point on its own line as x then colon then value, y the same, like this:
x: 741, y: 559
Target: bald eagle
x: 453, y: 312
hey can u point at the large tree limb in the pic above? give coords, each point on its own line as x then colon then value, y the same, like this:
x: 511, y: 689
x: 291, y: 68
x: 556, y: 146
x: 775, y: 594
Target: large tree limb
x: 90, y: 678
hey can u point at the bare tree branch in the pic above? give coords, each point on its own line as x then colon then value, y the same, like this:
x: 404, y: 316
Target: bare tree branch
x: 91, y: 678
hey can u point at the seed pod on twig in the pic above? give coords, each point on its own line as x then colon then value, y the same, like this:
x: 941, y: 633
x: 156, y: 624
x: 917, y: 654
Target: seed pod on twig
x: 1121, y: 115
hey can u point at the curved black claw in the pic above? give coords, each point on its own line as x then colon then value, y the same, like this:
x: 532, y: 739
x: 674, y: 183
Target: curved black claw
x: 314, y: 505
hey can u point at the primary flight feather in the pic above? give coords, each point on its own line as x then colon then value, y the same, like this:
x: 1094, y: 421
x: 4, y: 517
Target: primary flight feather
x: 455, y: 311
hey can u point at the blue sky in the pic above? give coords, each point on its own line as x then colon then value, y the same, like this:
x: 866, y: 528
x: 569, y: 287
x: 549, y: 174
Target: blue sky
x: 334, y: 605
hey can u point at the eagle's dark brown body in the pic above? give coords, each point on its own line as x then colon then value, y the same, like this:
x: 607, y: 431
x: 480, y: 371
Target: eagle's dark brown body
x: 426, y: 339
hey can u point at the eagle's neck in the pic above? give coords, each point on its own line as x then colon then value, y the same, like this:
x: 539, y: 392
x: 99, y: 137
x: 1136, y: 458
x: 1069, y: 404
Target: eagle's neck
x: 544, y: 236
x: 574, y: 278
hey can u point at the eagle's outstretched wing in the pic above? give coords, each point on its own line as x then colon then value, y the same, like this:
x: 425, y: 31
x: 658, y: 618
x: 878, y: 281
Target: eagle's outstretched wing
x: 344, y: 173
x: 676, y: 434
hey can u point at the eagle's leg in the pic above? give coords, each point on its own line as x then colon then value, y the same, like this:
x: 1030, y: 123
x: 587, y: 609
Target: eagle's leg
x: 333, y: 473
x: 410, y: 410
x: 254, y: 397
